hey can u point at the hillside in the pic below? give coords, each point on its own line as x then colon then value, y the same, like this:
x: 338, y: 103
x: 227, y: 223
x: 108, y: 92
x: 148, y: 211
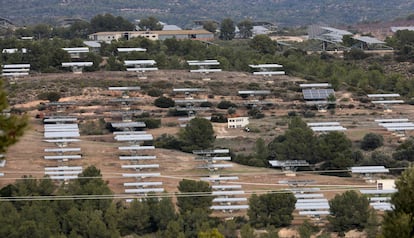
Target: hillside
x: 183, y: 13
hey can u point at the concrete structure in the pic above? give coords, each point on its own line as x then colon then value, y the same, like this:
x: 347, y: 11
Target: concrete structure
x: 153, y: 35
x: 237, y: 122
x: 385, y: 184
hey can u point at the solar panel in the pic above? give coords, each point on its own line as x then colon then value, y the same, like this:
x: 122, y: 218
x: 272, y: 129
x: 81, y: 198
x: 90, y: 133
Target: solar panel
x: 313, y: 200
x: 296, y: 182
x: 67, y: 126
x: 202, y: 62
x: 215, y: 151
x: 53, y: 157
x: 254, y: 92
x: 63, y: 172
x: 220, y: 178
x: 288, y: 163
x: 317, y: 94
x: 139, y: 62
x: 62, y: 140
x: 382, y: 206
x: 328, y: 128
x: 142, y: 69
x: 219, y: 166
x: 311, y: 206
x: 392, y: 120
x: 388, y: 102
x: 314, y: 213
x: 130, y: 133
x: 140, y: 157
x: 226, y: 199
x: 406, y: 128
x: 315, y: 85
x: 265, y: 65
x: 380, y: 199
x: 145, y: 137
x: 185, y: 90
x: 61, y: 150
x: 62, y: 168
x: 62, y: 119
x: 141, y: 175
x: 314, y: 124
x: 77, y: 64
x: 140, y: 166
x: 269, y: 73
x: 308, y: 195
x: 15, y: 66
x: 229, y: 207
x: 131, y: 49
x: 127, y: 124
x: 142, y: 184
x: 227, y: 193
x: 61, y: 134
x: 15, y: 74
x: 125, y: 88
x: 144, y: 190
x: 185, y: 101
x: 226, y: 187
x: 76, y: 50
x: 376, y: 191
x: 385, y: 95
x: 137, y: 147
x: 63, y: 177
x: 369, y: 169
x: 205, y: 70
x: 15, y: 70
x: 126, y: 100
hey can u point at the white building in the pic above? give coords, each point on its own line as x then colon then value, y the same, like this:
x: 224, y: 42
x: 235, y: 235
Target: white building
x: 385, y: 184
x: 237, y: 122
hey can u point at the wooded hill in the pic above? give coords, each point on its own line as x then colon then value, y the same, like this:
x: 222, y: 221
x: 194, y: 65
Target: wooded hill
x: 183, y: 13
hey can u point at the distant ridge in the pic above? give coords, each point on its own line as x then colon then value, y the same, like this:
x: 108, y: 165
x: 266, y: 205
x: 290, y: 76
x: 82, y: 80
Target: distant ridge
x: 184, y: 12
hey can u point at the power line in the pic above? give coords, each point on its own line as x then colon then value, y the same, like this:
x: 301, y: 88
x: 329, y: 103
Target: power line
x: 159, y: 196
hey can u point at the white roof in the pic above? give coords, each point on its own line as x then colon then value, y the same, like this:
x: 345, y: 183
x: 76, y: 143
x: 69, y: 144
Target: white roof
x: 401, y: 28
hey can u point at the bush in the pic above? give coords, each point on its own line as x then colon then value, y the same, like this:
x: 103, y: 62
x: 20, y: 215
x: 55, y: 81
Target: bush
x: 154, y: 92
x: 50, y: 96
x: 225, y: 105
x: 151, y: 123
x: 371, y: 141
x: 164, y: 102
x: 206, y: 104
x: 220, y: 118
x: 167, y: 141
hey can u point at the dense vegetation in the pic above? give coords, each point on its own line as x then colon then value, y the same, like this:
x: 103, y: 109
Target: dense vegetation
x: 285, y: 13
